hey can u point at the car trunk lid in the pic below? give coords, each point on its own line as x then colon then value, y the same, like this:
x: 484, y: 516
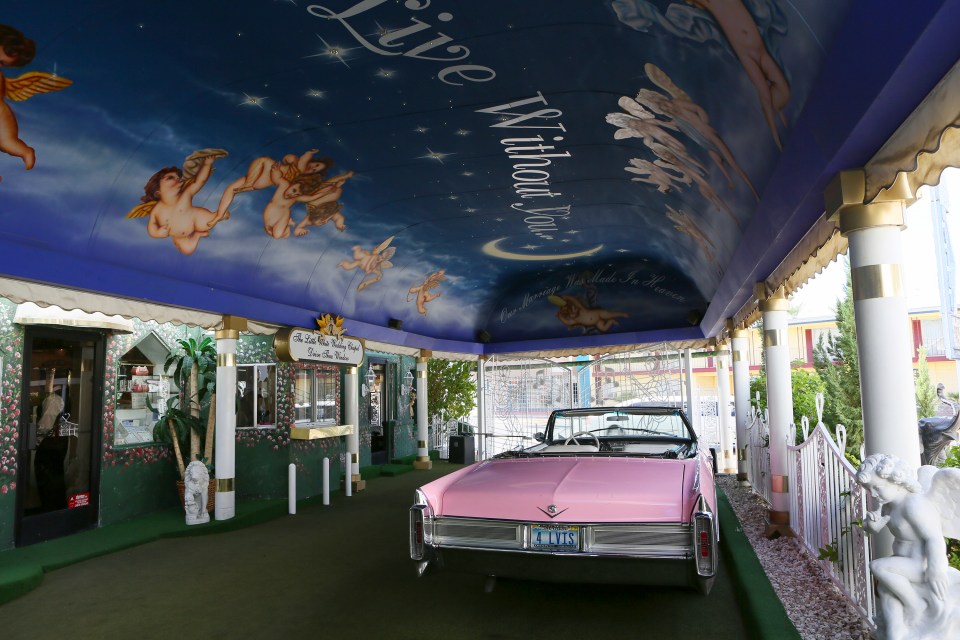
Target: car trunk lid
x: 570, y: 489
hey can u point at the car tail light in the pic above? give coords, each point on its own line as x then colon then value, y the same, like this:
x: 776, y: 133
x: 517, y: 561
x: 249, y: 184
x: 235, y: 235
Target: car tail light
x: 704, y: 540
x: 416, y: 531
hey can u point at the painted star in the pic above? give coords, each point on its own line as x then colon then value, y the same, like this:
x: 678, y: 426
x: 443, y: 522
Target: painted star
x: 530, y: 247
x: 385, y: 73
x: 623, y: 250
x: 463, y: 132
x: 435, y: 155
x: 471, y: 210
x: 332, y: 51
x: 467, y: 174
x: 421, y: 129
x: 253, y: 101
x: 572, y: 231
x: 316, y: 93
x: 453, y: 196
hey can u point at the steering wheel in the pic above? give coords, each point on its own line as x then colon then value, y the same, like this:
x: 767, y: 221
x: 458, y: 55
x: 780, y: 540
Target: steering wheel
x: 573, y: 438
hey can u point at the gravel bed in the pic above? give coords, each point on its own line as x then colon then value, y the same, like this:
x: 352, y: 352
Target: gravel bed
x: 816, y: 607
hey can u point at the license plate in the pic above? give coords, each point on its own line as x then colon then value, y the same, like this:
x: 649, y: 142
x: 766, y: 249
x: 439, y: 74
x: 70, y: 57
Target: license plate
x: 555, y: 537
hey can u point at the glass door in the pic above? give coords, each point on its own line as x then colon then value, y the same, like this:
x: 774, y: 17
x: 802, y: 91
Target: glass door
x: 59, y: 471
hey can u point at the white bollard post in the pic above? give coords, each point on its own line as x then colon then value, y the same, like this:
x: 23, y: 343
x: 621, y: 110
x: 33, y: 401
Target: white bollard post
x: 292, y: 489
x: 348, y: 478
x: 326, y: 481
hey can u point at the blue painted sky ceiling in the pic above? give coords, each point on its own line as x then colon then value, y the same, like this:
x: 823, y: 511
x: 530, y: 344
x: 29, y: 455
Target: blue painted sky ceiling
x: 486, y: 172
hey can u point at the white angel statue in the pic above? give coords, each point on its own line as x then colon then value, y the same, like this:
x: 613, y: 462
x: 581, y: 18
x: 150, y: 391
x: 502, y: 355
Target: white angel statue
x: 917, y: 590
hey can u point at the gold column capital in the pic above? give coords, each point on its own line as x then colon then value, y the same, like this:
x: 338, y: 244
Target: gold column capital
x: 865, y: 216
x: 844, y: 201
x: 741, y: 333
x: 774, y: 302
x: 848, y: 188
x: 233, y: 323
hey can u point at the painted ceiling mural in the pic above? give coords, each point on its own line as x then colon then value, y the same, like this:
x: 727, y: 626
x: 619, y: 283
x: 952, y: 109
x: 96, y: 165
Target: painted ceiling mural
x: 481, y: 171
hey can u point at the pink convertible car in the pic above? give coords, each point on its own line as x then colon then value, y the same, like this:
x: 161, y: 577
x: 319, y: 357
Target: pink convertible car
x: 609, y: 494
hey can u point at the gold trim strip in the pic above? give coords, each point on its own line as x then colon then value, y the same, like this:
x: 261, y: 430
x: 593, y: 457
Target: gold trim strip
x: 227, y: 334
x: 780, y: 484
x: 774, y: 338
x: 737, y: 356
x: 742, y: 454
x: 422, y: 374
x: 224, y: 485
x: 421, y: 444
x: 876, y: 281
x: 226, y: 359
x: 355, y: 458
x: 316, y: 433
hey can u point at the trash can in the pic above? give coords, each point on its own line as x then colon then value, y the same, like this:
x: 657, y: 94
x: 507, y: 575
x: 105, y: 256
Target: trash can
x: 461, y: 450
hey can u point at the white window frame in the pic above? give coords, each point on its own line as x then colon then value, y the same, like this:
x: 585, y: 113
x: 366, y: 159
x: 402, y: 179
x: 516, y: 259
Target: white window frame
x: 256, y: 395
x: 314, y: 416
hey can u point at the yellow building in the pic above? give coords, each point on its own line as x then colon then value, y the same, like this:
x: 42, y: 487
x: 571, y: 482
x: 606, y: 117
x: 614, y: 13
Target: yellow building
x: 805, y: 333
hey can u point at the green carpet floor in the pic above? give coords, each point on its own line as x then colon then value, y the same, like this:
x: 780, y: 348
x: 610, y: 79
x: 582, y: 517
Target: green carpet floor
x: 341, y: 571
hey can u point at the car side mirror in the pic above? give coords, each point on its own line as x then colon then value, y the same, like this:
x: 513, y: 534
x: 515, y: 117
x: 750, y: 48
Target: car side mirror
x: 540, y: 436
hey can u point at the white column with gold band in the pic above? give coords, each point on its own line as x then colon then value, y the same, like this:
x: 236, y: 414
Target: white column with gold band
x: 351, y: 394
x: 779, y: 405
x: 725, y: 463
x: 423, y: 452
x: 226, y: 418
x: 884, y: 337
x: 741, y: 396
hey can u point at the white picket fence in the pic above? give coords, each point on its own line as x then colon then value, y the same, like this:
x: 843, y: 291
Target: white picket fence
x: 826, y: 505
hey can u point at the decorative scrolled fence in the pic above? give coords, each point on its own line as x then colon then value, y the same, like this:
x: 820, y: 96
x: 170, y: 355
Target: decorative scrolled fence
x: 827, y: 507
x: 758, y: 453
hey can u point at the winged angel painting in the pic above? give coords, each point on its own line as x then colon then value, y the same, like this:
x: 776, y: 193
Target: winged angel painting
x: 918, y: 590
x: 17, y: 51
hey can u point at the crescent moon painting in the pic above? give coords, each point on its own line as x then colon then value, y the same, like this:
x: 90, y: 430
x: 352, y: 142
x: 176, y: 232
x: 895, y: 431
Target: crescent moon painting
x: 492, y: 249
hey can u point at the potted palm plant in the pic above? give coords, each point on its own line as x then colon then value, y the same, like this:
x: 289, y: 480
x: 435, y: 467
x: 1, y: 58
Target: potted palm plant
x: 194, y: 368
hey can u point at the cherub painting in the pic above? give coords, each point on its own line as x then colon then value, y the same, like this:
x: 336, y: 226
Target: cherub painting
x: 917, y: 590
x: 372, y: 262
x: 422, y: 291
x: 325, y: 204
x: 311, y: 189
x: 685, y: 224
x: 259, y: 174
x: 765, y: 74
x: 693, y: 120
x: 730, y: 21
x: 17, y: 51
x: 168, y: 200
x: 575, y: 313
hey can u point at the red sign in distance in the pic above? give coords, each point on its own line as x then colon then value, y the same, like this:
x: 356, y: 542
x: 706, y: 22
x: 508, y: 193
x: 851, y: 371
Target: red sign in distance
x: 78, y: 500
